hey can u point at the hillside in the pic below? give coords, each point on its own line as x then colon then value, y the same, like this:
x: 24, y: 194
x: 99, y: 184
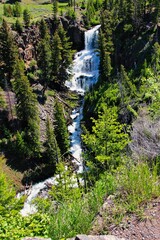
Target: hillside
x: 79, y: 110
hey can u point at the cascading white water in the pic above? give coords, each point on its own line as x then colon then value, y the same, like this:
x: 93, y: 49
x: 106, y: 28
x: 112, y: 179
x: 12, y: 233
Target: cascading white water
x: 86, y: 64
x: 84, y: 74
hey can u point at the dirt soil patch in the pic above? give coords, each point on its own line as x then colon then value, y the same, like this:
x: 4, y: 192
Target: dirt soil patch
x: 147, y: 228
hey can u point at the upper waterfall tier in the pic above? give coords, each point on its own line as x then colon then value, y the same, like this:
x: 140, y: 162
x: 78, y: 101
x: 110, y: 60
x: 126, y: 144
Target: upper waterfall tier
x: 91, y: 38
x: 85, y: 68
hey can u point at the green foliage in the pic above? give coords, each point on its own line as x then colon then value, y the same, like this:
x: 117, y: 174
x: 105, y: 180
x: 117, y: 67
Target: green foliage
x: 139, y: 184
x: 26, y: 17
x: 61, y: 57
x: 61, y: 130
x: 107, y: 140
x: 2, y: 100
x: 18, y: 26
x: 27, y: 109
x: 66, y: 189
x: 55, y: 9
x: 12, y: 11
x: 17, y: 9
x: 52, y: 149
x: 8, y: 52
x: 76, y: 215
x: 14, y: 226
x: 43, y: 61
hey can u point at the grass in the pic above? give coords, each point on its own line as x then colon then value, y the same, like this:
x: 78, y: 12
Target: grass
x: 130, y: 188
x: 12, y: 175
x: 37, y: 9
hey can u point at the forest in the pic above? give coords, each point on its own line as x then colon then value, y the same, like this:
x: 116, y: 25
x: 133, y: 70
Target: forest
x: 120, y: 128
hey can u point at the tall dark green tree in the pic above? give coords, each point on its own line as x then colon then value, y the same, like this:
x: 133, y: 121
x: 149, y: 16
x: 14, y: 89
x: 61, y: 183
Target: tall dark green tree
x: 61, y: 130
x: 27, y: 110
x: 44, y: 32
x: 26, y: 17
x: 43, y: 62
x: 52, y: 150
x: 8, y: 52
x: 55, y: 9
x: 56, y: 58
x: 61, y: 56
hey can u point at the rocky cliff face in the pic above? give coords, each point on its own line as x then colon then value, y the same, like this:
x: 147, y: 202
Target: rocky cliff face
x: 75, y: 33
x: 28, y: 40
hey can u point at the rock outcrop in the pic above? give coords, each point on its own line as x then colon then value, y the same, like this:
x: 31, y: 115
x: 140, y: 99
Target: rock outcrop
x: 92, y: 237
x: 27, y: 41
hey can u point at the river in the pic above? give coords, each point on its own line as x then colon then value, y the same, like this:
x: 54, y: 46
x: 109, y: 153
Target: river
x: 84, y: 72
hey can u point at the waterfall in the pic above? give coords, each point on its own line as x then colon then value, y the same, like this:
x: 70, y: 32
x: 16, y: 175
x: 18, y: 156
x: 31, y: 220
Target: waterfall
x: 84, y: 74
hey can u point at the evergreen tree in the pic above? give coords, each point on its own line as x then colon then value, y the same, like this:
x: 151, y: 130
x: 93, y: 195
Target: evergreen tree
x: 27, y: 110
x: 66, y: 55
x: 107, y: 140
x: 61, y: 57
x: 90, y: 10
x: 18, y: 26
x: 127, y: 85
x: 156, y: 59
x: 43, y: 29
x: 17, y: 9
x: 56, y: 58
x: 26, y: 17
x: 43, y: 62
x: 61, y: 130
x: 52, y: 149
x: 55, y: 9
x: 8, y: 52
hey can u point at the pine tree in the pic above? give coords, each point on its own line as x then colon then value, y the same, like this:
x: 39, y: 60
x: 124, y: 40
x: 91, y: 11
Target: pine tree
x: 52, y: 150
x: 55, y: 9
x: 8, y: 52
x: 43, y: 62
x: 17, y: 9
x: 61, y: 130
x: 61, y: 57
x: 107, y: 139
x: 66, y: 55
x: 26, y: 17
x: 56, y: 58
x: 43, y: 29
x: 27, y: 110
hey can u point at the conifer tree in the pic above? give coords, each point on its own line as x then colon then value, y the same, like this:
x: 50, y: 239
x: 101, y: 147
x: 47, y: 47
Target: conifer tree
x: 17, y: 9
x: 55, y: 9
x: 43, y: 62
x: 56, y: 57
x: 26, y: 17
x: 61, y: 57
x: 27, y: 110
x: 52, y: 150
x: 128, y: 86
x: 107, y: 139
x: 43, y: 29
x: 8, y: 52
x: 61, y: 130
